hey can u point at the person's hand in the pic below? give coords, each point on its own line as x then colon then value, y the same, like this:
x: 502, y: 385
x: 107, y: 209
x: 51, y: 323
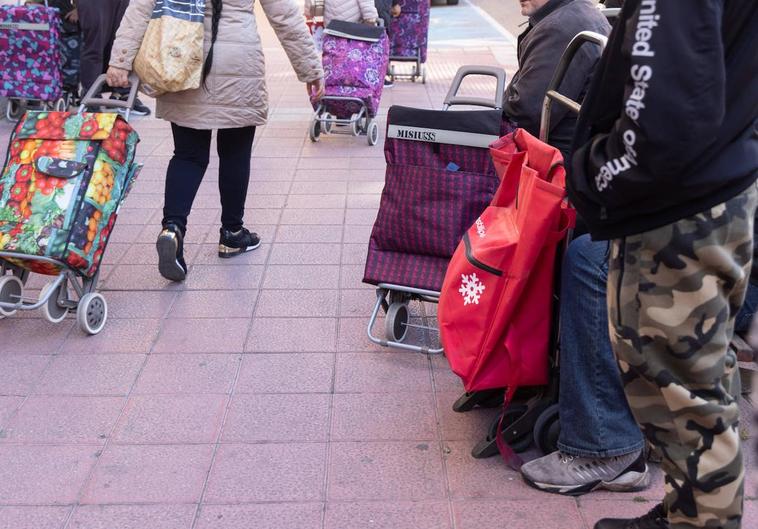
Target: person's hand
x: 370, y: 21
x: 117, y: 77
x: 315, y: 89
x: 396, y: 10
x: 73, y: 16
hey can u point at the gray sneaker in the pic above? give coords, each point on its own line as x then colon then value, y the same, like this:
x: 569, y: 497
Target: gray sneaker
x: 571, y: 475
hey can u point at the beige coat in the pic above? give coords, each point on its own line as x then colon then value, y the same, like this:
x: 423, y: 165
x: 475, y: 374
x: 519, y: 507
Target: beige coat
x: 347, y: 10
x: 236, y: 93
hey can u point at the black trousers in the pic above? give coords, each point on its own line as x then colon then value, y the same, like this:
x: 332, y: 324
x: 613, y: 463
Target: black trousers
x: 186, y: 170
x: 99, y: 21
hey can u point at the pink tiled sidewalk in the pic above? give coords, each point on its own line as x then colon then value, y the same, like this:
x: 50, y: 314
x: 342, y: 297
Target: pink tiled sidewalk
x: 249, y: 396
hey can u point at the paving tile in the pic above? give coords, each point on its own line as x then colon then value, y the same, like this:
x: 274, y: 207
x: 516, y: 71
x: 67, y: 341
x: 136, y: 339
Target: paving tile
x: 483, y: 478
x: 140, y: 278
x: 19, y: 373
x: 383, y: 417
x: 145, y: 253
x: 33, y: 336
x: 367, y: 201
x: 252, y: 418
x: 267, y: 473
x: 43, y: 475
x: 112, y: 374
x: 261, y: 516
x: 171, y: 419
x: 551, y: 511
x: 357, y: 303
x: 305, y: 254
x: 360, y: 217
x: 64, y: 419
x: 382, y: 373
x: 386, y: 471
x: 313, y: 202
x: 388, y: 515
x: 36, y: 517
x: 351, y: 276
x: 354, y: 254
x: 8, y: 406
x: 152, y: 305
x: 188, y: 374
x: 319, y: 188
x: 273, y: 187
x: 469, y: 426
x: 352, y: 332
x: 313, y: 217
x: 118, y: 336
x: 292, y: 277
x: 444, y: 379
x: 149, y: 474
x: 286, y: 373
x: 358, y: 234
x: 298, y: 303
x: 308, y: 234
x: 292, y: 335
x: 214, y: 304
x: 593, y: 509
x: 202, y: 336
x: 133, y: 517
x: 224, y: 277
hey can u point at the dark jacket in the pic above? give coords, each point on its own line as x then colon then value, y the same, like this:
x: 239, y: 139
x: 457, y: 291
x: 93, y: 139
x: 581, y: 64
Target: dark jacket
x: 540, y: 47
x: 668, y: 128
x: 384, y: 8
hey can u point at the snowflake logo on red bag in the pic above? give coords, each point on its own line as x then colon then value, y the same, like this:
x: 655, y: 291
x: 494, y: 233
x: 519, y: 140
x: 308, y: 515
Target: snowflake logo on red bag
x: 471, y: 289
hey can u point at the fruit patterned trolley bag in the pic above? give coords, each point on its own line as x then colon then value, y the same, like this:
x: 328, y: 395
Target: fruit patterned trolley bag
x: 64, y: 180
x: 30, y: 58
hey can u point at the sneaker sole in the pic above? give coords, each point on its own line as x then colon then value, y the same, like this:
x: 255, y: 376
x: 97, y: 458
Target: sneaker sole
x: 227, y: 252
x: 168, y: 266
x: 627, y: 482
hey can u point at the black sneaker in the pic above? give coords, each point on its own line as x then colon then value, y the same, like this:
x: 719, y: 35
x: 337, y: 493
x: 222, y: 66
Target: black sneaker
x: 233, y: 243
x: 388, y: 82
x: 655, y: 519
x: 170, y: 246
x: 139, y: 108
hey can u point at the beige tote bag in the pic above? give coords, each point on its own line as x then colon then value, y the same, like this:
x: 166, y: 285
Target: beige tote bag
x: 170, y: 58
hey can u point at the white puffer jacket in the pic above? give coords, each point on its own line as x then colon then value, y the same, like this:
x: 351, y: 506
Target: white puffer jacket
x: 347, y: 10
x: 235, y: 92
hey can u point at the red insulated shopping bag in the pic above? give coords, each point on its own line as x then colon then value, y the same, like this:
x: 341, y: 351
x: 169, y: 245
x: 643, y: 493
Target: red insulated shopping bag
x: 496, y: 302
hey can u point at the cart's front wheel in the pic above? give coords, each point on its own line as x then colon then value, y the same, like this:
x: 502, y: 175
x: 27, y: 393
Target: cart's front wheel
x: 92, y: 313
x: 315, y: 131
x: 547, y: 430
x: 373, y: 132
x: 326, y: 123
x: 11, y: 289
x: 396, y: 322
x: 53, y: 311
x: 355, y: 125
x: 61, y: 104
x: 13, y: 110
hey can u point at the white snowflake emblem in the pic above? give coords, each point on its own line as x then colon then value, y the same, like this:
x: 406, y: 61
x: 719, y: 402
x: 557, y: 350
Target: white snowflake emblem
x: 471, y: 289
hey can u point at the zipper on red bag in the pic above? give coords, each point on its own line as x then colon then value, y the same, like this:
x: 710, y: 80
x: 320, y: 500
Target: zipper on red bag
x: 476, y: 262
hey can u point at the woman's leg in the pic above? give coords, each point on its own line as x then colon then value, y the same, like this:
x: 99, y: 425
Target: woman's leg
x: 185, y: 173
x: 235, y: 148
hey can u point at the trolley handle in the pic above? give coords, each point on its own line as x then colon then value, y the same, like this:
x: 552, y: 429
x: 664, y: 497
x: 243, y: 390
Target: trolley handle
x: 552, y: 94
x: 610, y: 12
x: 453, y: 98
x: 90, y: 98
x: 19, y: 2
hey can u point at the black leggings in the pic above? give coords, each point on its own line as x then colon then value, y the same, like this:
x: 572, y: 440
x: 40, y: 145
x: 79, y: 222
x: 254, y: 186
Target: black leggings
x: 186, y: 170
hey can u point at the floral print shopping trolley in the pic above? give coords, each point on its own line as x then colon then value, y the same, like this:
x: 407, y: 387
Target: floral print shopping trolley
x: 64, y: 180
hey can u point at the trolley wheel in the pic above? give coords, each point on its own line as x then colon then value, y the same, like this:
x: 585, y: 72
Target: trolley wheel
x: 423, y: 74
x: 315, y: 131
x: 13, y: 109
x: 11, y: 289
x: 396, y: 322
x: 53, y: 312
x: 355, y: 125
x: 547, y: 429
x: 327, y: 123
x: 373, y: 132
x: 61, y: 104
x: 488, y: 447
x: 92, y: 313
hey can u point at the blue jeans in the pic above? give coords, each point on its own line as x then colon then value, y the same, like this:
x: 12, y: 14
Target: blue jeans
x: 595, y: 418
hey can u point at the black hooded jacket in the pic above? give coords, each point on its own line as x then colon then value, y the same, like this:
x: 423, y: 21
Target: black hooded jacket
x: 668, y: 127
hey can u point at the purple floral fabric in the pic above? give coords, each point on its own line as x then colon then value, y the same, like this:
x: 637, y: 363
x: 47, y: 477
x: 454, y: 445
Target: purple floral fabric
x: 354, y: 68
x: 30, y: 58
x: 409, y: 33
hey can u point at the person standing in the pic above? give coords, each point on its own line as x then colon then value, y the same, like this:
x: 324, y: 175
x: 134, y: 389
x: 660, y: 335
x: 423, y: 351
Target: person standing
x: 99, y: 20
x: 232, y: 99
x: 665, y: 167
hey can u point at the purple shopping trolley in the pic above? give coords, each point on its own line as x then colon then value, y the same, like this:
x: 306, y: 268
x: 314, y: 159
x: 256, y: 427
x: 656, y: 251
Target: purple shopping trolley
x: 409, y: 36
x: 439, y: 179
x: 355, y: 61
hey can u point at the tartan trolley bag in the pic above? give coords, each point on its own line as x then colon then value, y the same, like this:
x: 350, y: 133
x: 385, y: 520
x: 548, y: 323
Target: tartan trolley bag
x: 64, y: 180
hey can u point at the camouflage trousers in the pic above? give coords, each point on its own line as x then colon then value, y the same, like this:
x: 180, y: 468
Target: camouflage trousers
x: 673, y: 294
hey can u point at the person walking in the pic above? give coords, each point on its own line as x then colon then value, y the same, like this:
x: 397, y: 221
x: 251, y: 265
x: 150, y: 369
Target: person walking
x: 350, y: 11
x: 98, y: 21
x: 232, y: 99
x: 666, y: 167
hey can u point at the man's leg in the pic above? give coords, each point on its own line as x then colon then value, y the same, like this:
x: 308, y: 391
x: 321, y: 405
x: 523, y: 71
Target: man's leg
x: 597, y: 427
x: 99, y: 20
x: 673, y: 294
